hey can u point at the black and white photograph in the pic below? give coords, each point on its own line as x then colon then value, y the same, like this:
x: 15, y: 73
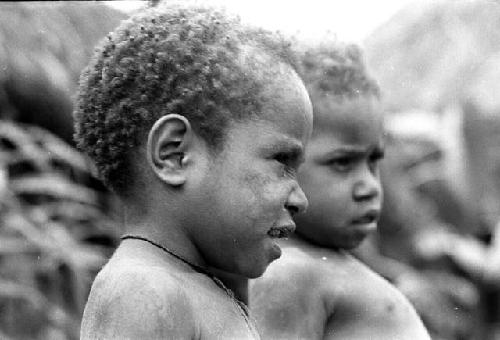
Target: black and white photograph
x: 265, y: 169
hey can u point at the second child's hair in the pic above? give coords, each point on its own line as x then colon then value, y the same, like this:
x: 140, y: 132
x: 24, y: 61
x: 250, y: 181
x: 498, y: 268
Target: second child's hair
x: 198, y: 62
x: 336, y: 70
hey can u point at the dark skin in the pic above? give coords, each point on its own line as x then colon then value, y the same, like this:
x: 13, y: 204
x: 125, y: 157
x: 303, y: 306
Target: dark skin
x: 317, y: 290
x: 189, y: 200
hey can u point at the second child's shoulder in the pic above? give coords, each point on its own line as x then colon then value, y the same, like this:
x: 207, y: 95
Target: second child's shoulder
x: 371, y: 297
x: 302, y: 266
x: 303, y: 258
x: 336, y: 275
x: 296, y: 262
x: 366, y: 298
x: 354, y: 277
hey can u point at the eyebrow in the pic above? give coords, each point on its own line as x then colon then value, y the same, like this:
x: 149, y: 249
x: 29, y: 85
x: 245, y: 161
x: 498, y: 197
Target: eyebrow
x: 357, y: 151
x: 293, y: 148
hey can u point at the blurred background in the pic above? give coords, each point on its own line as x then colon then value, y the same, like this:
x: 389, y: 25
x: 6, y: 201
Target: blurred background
x: 438, y: 64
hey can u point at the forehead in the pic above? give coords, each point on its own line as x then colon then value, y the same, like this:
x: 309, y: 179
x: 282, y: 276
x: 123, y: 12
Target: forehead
x: 286, y: 117
x: 287, y: 106
x: 357, y: 121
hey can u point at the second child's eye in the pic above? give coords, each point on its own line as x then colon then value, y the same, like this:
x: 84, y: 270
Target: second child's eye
x: 342, y: 164
x: 375, y: 159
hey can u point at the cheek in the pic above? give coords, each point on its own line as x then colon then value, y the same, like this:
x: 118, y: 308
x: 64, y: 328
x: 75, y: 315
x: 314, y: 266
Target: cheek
x: 328, y: 203
x: 381, y: 193
x: 329, y: 197
x: 320, y: 186
x: 265, y: 194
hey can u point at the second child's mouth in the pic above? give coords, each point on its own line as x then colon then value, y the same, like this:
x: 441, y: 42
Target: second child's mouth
x: 368, y: 218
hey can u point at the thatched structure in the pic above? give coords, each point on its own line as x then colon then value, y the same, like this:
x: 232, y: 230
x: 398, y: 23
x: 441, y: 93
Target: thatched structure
x: 54, y: 234
x: 43, y: 48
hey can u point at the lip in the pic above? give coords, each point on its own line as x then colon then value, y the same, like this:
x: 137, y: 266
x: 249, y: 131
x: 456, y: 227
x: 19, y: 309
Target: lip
x: 282, y: 231
x: 369, y: 217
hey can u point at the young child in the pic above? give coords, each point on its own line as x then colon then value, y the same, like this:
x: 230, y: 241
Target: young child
x: 317, y: 290
x: 198, y: 123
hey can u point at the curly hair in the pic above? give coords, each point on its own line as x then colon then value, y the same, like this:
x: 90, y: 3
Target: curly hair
x: 183, y: 59
x: 336, y: 70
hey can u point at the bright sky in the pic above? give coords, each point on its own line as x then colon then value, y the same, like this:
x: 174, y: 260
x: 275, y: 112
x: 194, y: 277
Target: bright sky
x: 349, y: 20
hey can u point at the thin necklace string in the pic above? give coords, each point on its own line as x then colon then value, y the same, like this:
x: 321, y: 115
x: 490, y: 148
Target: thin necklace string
x: 242, y: 307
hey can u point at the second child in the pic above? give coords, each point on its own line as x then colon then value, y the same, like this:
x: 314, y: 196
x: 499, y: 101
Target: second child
x: 318, y: 290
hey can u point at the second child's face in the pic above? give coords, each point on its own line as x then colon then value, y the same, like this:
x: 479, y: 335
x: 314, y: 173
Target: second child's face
x: 251, y: 190
x: 341, y: 177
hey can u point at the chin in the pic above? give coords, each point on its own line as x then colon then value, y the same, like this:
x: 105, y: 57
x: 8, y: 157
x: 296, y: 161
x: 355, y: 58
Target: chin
x: 254, y: 270
x: 254, y: 273
x: 258, y: 272
x: 347, y: 242
x: 349, y: 246
x: 352, y: 244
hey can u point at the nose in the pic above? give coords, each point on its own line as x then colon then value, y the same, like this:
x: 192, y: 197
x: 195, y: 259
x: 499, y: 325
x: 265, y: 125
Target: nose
x: 297, y: 201
x: 367, y: 187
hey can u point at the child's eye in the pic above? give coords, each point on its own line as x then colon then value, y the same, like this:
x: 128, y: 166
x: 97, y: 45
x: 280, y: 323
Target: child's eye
x: 286, y: 162
x: 282, y: 158
x: 342, y: 164
x: 375, y: 159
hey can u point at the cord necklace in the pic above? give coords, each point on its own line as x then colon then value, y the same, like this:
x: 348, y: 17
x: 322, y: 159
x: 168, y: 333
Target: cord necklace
x: 241, y: 305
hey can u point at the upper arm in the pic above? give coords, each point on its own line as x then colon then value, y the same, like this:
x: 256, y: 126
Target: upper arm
x: 287, y: 302
x: 369, y: 307
x: 137, y: 308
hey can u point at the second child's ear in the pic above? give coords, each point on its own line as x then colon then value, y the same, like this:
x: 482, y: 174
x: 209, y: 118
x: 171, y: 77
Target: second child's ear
x: 168, y: 148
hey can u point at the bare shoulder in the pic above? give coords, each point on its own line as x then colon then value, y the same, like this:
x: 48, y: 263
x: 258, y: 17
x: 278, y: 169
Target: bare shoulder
x: 290, y: 288
x: 341, y: 296
x: 136, y: 301
x: 297, y: 274
x: 311, y: 270
x: 358, y: 280
x: 368, y: 306
x: 295, y: 265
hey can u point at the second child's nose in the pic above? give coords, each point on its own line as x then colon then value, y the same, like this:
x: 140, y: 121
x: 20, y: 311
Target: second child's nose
x: 367, y: 188
x: 297, y: 201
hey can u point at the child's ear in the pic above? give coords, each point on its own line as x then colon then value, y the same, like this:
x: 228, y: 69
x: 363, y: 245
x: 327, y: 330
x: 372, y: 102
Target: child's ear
x: 168, y: 146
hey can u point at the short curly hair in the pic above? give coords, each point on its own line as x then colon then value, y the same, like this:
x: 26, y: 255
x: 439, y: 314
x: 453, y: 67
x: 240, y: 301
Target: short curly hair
x: 337, y: 70
x: 185, y: 59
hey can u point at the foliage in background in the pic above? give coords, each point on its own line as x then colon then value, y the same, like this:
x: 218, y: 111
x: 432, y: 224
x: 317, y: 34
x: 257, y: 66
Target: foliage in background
x: 53, y: 232
x: 54, y: 229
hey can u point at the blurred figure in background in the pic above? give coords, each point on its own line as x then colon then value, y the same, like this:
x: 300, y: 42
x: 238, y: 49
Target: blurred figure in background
x: 423, y: 58
x: 420, y: 211
x: 318, y: 290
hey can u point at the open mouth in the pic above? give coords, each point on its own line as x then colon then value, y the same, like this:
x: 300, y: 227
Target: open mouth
x: 368, y: 218
x: 281, y: 232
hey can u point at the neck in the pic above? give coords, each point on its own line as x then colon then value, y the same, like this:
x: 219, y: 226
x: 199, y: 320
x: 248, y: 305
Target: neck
x: 162, y: 229
x: 236, y: 283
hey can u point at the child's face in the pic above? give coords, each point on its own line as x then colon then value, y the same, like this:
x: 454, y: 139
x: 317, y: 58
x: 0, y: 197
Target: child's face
x: 341, y: 177
x: 251, y: 188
